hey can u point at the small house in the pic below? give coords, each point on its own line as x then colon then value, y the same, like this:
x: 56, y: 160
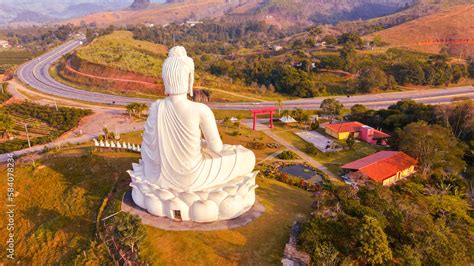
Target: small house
x: 343, y: 130
x: 385, y: 167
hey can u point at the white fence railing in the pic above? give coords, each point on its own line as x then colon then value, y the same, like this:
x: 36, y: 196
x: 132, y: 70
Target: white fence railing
x: 117, y: 144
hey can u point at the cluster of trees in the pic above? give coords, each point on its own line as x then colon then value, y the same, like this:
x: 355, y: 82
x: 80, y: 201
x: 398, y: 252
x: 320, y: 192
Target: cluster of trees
x: 287, y: 155
x: 274, y: 75
x: 420, y: 222
x: 210, y: 36
x: 136, y: 109
x: 40, y: 38
x: 373, y: 72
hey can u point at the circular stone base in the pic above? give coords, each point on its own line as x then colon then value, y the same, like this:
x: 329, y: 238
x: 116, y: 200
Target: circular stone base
x: 171, y: 225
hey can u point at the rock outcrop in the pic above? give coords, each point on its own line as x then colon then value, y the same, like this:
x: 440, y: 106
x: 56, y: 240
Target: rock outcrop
x: 140, y: 4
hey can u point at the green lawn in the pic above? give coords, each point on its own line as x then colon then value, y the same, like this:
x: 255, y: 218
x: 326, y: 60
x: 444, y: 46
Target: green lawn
x: 259, y: 243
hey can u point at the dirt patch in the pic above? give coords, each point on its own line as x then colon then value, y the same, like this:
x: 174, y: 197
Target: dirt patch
x: 90, y: 74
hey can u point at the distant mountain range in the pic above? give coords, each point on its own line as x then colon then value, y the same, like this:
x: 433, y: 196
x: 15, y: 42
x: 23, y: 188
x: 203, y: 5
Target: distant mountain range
x: 374, y: 13
x: 42, y: 11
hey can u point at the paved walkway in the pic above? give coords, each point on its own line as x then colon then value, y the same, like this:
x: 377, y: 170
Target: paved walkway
x: 170, y: 225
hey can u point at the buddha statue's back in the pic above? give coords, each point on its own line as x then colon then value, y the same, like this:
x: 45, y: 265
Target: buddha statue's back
x: 177, y: 160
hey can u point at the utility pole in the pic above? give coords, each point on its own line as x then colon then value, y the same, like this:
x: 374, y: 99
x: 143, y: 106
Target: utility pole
x: 27, y: 135
x: 56, y: 105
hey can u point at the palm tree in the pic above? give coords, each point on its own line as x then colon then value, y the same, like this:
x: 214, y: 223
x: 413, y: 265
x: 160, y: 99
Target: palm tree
x: 130, y: 109
x: 280, y: 106
x: 141, y: 107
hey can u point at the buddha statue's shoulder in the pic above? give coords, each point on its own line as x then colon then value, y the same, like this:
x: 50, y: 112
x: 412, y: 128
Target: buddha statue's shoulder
x: 203, y: 109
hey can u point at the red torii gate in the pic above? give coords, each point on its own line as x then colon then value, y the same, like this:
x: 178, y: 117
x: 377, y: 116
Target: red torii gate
x: 262, y: 111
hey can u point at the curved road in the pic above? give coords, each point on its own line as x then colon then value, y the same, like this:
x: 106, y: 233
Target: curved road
x: 36, y: 74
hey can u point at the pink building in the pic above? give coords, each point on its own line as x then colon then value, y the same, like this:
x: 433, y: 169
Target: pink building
x: 372, y: 136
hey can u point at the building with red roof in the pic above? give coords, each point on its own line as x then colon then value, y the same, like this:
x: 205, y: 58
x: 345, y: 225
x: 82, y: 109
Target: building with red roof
x: 365, y: 133
x: 386, y: 167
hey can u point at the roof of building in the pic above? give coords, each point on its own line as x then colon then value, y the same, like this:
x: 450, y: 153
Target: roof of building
x: 382, y: 165
x: 380, y: 135
x: 288, y: 119
x: 344, y: 127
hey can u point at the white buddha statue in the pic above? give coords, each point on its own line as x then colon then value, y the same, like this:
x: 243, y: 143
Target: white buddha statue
x: 186, y: 172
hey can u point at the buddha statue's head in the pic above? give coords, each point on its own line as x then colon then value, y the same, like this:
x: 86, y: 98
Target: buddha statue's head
x: 178, y: 72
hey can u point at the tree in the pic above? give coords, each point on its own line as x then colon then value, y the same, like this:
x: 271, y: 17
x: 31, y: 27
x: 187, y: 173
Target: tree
x: 130, y: 109
x: 408, y: 73
x: 471, y: 69
x: 350, y: 37
x: 372, y: 242
x: 458, y: 72
x: 129, y: 230
x: 435, y: 148
x: 350, y: 141
x: 330, y: 39
x: 227, y: 123
x: 458, y: 116
x: 314, y: 125
x: 348, y: 53
x: 106, y: 132
x: 358, y: 109
x: 372, y: 79
x: 331, y: 108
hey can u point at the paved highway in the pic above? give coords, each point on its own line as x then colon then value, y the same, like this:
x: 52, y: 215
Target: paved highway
x: 36, y: 74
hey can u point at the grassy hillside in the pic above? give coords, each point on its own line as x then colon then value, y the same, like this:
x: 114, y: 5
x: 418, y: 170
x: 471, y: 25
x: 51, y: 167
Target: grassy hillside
x: 450, y: 23
x: 119, y: 50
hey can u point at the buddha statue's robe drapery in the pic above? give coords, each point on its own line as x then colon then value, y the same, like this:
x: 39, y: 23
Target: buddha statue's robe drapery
x: 176, y: 159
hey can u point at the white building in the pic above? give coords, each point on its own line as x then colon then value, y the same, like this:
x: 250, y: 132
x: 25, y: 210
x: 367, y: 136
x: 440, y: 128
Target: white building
x: 4, y: 44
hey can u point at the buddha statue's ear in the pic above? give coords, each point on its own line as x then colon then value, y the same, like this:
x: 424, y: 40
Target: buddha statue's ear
x: 190, y: 83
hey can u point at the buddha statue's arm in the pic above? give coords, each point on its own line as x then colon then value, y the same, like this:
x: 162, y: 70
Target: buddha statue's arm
x: 209, y: 129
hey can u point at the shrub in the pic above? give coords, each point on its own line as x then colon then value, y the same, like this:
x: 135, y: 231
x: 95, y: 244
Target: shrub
x: 311, y: 149
x: 254, y: 144
x: 287, y: 155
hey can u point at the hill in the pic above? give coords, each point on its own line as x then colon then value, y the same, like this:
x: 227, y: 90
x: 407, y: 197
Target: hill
x: 278, y: 12
x: 119, y: 50
x: 321, y: 11
x: 23, y: 12
x: 159, y: 13
x: 451, y: 29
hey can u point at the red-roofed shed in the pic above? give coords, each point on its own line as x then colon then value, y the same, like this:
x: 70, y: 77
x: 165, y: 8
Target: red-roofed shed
x: 385, y: 167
